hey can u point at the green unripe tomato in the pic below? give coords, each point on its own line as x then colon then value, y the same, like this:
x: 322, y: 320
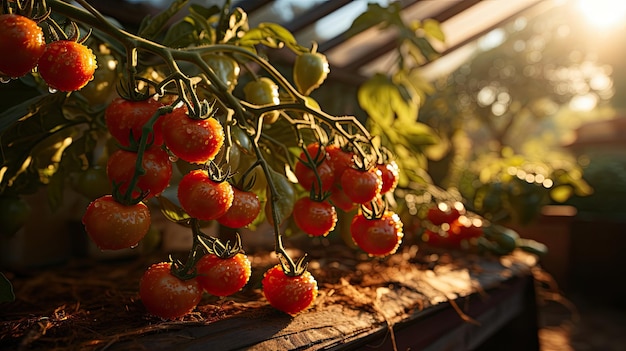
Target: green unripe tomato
x: 263, y: 91
x: 226, y: 69
x: 309, y: 71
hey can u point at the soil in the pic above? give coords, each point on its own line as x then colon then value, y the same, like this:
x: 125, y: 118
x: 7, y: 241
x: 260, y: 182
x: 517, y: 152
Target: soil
x: 92, y: 304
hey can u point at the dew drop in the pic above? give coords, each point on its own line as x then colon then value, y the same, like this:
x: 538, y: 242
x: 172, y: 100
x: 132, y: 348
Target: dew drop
x: 134, y: 246
x: 52, y: 90
x: 173, y: 158
x: 5, y: 79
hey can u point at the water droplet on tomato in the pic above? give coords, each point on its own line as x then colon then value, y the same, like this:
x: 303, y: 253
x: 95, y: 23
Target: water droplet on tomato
x: 173, y: 158
x: 5, y: 79
x: 134, y: 246
x: 52, y: 90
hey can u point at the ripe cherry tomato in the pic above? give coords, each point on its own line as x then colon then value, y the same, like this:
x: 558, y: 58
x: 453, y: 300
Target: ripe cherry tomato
x: 306, y: 175
x: 263, y: 91
x: 289, y: 294
x: 339, y: 198
x: 390, y: 174
x: 361, y: 186
x: 316, y: 218
x: 156, y: 163
x: 67, y: 65
x: 113, y: 226
x: 124, y: 117
x: 444, y: 212
x: 195, y: 141
x: 21, y: 42
x: 167, y: 296
x: 340, y: 160
x: 244, y: 210
x: 223, y: 276
x: 378, y: 236
x: 203, y: 198
x: 309, y: 71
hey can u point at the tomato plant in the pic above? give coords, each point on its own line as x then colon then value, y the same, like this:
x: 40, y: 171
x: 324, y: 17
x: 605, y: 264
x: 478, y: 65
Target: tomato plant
x: 156, y: 166
x: 204, y: 198
x: 113, y: 226
x: 167, y: 296
x: 377, y: 236
x: 126, y: 118
x: 314, y: 217
x: 223, y: 276
x: 290, y: 294
x: 193, y: 140
x: 244, y: 210
x: 22, y: 44
x: 67, y: 65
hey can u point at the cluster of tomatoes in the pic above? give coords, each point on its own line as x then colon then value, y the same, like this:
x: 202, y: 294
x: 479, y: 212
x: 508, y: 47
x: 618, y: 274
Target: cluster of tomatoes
x: 449, y: 225
x: 65, y: 65
x: 333, y: 170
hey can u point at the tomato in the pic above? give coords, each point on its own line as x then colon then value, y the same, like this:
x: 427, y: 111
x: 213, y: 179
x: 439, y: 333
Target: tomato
x: 286, y: 198
x: 390, y: 174
x: 444, y: 212
x: 113, y: 226
x: 202, y: 197
x: 167, y: 296
x: 223, y: 276
x: 309, y: 71
x: 305, y: 174
x: 377, y: 236
x: 340, y: 160
x: 156, y: 163
x: 339, y: 198
x: 92, y: 182
x: 289, y: 294
x: 193, y: 140
x: 67, y: 65
x: 316, y: 218
x: 263, y: 91
x: 125, y: 117
x: 466, y: 227
x: 361, y: 186
x: 21, y: 42
x: 226, y: 69
x: 244, y: 210
x: 14, y: 213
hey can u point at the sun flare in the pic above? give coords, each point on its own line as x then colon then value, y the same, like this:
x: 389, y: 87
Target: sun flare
x: 603, y: 13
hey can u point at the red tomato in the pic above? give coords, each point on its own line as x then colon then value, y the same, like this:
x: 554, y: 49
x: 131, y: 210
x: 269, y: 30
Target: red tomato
x: 244, y: 210
x: 466, y: 227
x: 203, y: 198
x: 289, y: 294
x: 66, y: 65
x: 444, y: 212
x: 339, y: 198
x: 124, y: 117
x: 223, y: 276
x: 306, y: 175
x: 361, y: 186
x: 113, y: 226
x: 21, y: 42
x: 340, y: 160
x: 167, y: 296
x: 195, y: 141
x: 377, y: 237
x: 316, y: 218
x: 156, y: 162
x: 390, y: 174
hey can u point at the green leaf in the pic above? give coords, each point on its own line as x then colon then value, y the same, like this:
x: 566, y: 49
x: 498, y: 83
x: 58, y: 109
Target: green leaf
x: 150, y: 27
x: 377, y: 15
x: 433, y: 28
x: 6, y: 289
x: 172, y: 212
x: 383, y: 101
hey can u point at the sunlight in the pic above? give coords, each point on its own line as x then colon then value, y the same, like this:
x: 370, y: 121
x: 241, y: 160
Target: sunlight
x: 603, y: 13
